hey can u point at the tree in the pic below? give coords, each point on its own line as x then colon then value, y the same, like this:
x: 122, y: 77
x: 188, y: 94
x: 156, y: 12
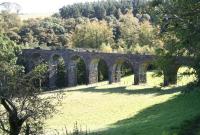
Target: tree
x: 180, y: 26
x: 129, y: 29
x: 106, y: 48
x: 92, y: 35
x: 9, y: 23
x: 23, y: 108
x: 100, y: 12
x: 48, y: 31
x: 75, y: 11
x: 135, y: 4
x: 98, y: 9
x: 148, y: 41
x: 117, y: 13
x: 10, y: 7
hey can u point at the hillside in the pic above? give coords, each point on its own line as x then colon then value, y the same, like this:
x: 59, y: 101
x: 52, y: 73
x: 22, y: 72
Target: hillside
x: 124, y: 109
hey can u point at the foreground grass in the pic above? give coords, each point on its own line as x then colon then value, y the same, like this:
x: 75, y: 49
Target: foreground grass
x: 124, y: 109
x: 160, y: 119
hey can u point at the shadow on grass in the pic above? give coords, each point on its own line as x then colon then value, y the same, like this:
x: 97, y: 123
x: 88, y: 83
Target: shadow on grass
x: 123, y: 90
x: 160, y: 119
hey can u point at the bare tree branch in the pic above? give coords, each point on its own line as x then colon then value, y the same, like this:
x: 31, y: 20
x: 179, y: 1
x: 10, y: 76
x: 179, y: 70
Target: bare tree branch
x: 14, y: 109
x: 6, y: 106
x: 26, y: 117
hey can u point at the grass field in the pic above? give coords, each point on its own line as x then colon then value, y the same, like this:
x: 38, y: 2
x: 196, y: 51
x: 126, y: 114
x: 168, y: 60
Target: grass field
x: 33, y: 16
x: 124, y: 109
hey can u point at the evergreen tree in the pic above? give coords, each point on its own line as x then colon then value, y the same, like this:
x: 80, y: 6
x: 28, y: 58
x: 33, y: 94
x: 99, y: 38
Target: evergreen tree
x: 100, y: 12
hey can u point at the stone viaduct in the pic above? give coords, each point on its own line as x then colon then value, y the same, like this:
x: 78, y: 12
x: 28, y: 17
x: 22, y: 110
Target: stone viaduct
x: 114, y: 61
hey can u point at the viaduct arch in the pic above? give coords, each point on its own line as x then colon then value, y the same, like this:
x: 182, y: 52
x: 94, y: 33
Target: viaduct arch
x: 114, y: 61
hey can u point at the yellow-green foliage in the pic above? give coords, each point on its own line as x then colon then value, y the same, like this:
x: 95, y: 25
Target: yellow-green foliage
x: 106, y: 48
x: 146, y: 33
x: 138, y: 36
x: 120, y: 49
x: 92, y: 35
x: 146, y: 49
x: 129, y: 28
x: 185, y: 74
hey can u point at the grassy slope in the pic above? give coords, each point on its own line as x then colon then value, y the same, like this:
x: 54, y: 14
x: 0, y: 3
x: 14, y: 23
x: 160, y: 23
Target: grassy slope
x: 123, y: 109
x: 160, y: 118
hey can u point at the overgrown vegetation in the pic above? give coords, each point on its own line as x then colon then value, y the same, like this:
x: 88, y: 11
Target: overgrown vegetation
x: 23, y: 109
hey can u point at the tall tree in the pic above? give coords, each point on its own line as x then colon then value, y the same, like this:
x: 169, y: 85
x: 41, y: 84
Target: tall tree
x: 129, y: 29
x: 23, y: 107
x: 100, y: 11
x: 180, y: 29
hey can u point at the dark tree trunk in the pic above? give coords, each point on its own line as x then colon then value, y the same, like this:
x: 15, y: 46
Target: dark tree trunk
x: 15, y: 122
x: 15, y: 130
x: 27, y: 129
x: 15, y: 125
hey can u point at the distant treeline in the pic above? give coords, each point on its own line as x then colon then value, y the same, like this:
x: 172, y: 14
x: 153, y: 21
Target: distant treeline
x: 100, y: 9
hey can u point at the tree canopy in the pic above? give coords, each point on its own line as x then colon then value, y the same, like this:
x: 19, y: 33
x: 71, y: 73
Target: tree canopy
x: 23, y: 108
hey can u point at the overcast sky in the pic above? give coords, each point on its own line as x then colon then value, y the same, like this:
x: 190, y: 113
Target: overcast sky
x: 43, y: 6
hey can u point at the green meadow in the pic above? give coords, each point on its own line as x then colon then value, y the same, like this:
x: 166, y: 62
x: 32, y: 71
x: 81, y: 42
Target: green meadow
x: 125, y: 109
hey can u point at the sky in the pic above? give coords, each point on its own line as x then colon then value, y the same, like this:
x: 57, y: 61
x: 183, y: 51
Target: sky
x: 43, y: 6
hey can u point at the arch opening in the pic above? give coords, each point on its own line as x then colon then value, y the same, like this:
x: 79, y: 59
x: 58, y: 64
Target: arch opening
x: 35, y: 60
x: 77, y: 71
x: 154, y: 76
x: 98, y: 71
x: 57, y: 71
x: 102, y: 71
x: 124, y: 69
